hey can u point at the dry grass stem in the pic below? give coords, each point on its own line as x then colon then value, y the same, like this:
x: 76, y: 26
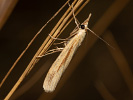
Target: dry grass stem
x: 30, y: 44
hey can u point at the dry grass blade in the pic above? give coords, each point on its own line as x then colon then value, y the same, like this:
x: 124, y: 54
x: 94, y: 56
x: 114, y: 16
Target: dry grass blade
x: 30, y: 44
x: 44, y: 47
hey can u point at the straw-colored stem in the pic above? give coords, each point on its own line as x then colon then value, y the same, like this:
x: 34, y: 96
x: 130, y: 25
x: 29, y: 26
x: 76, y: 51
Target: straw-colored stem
x: 10, y: 70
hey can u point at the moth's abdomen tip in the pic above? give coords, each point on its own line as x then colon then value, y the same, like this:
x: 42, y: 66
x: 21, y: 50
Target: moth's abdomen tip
x: 48, y: 89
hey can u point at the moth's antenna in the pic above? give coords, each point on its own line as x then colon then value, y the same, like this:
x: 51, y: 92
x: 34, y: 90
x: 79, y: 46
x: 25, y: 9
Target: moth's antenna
x: 100, y: 38
x: 86, y: 23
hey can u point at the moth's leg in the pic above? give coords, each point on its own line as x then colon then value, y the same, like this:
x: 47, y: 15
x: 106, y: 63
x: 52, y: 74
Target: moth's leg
x: 75, y: 19
x: 51, y: 52
x: 60, y: 42
x: 57, y: 38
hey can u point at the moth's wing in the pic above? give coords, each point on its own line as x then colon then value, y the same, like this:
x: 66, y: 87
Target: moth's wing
x: 62, y: 61
x: 59, y: 66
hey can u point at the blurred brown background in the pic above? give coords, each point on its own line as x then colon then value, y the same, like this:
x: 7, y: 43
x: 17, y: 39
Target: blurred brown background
x: 97, y: 74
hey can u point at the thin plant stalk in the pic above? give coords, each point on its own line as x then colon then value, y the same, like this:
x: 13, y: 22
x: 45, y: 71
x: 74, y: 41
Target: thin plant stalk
x: 10, y: 70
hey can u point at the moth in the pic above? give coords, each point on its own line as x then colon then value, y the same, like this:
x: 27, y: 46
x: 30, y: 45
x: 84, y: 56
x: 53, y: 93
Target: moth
x: 63, y: 60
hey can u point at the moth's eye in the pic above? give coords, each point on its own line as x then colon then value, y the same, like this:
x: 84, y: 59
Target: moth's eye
x: 82, y: 26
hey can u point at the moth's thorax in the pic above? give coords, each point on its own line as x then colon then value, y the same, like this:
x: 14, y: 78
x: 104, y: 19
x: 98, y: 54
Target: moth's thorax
x: 81, y: 31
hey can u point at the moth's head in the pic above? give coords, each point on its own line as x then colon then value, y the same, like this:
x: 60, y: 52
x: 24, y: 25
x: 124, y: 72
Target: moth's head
x: 84, y: 25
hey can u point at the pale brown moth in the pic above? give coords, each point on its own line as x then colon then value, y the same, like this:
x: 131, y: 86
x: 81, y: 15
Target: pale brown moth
x: 61, y: 63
